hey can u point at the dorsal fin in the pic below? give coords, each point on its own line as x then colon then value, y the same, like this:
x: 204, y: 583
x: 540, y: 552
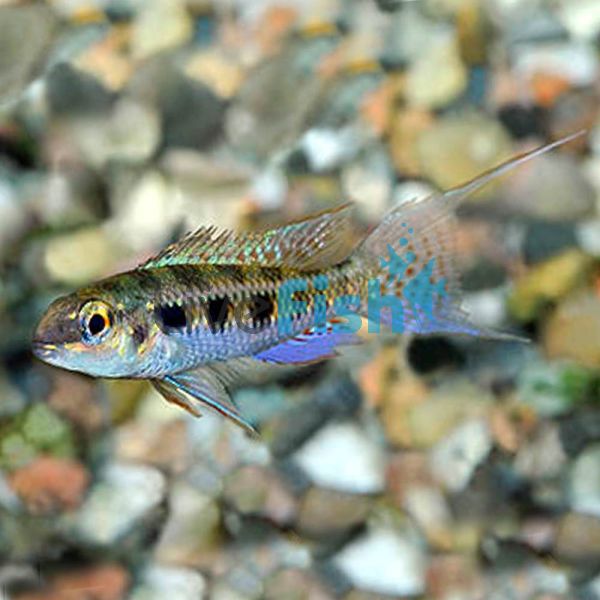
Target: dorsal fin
x: 316, y: 242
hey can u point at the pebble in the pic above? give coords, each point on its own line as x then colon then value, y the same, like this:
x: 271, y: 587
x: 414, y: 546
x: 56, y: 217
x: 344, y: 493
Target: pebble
x: 545, y: 387
x: 550, y: 188
x: 578, y: 540
x: 160, y: 581
x: 326, y: 513
x: 406, y: 127
x: 458, y: 148
x: 572, y: 330
x: 545, y: 240
x: 453, y: 460
x: 70, y: 92
x: 384, y: 562
x: 324, y: 458
x: 223, y: 73
x: 572, y: 61
x: 257, y: 491
x: 192, y: 527
x: 549, y: 281
x: 295, y: 583
x: 62, y: 257
x: 191, y: 113
x: 171, y: 18
x: 50, y: 485
x: 119, y: 501
x: 131, y: 134
x: 149, y: 210
x: 440, y: 61
x: 582, y: 18
x: 326, y: 149
x: 446, y: 407
x: 584, y: 484
x: 542, y: 456
x: 20, y: 63
x: 110, y: 581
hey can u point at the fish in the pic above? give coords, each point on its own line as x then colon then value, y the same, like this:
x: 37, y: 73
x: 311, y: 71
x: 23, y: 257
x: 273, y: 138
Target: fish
x: 217, y: 305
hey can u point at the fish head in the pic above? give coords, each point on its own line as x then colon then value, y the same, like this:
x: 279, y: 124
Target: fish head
x: 87, y: 331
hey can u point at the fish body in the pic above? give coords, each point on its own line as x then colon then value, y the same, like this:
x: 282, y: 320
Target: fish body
x: 218, y: 303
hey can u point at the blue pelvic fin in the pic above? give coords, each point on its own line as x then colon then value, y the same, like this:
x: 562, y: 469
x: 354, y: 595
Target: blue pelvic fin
x: 309, y: 347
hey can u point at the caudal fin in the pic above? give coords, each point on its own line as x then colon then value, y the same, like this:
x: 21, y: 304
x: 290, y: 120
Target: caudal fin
x: 411, y: 255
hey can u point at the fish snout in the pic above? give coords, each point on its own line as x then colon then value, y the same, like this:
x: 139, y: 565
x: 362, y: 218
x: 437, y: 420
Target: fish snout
x: 57, y: 327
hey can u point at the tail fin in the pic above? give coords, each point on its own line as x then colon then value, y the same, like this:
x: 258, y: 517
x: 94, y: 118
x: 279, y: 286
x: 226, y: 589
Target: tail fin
x: 412, y: 255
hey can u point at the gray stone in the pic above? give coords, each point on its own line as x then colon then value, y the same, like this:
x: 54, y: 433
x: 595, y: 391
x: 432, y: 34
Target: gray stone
x: 124, y: 495
x: 158, y: 582
x: 386, y: 562
x: 584, y: 484
x: 326, y: 460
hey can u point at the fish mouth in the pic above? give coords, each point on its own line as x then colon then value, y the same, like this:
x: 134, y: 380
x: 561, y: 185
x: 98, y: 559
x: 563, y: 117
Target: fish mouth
x: 43, y: 350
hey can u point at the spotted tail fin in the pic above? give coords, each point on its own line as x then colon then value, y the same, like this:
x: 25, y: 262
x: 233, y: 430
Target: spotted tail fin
x: 410, y: 257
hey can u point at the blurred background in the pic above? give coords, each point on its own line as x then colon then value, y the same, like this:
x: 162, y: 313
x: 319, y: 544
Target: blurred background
x: 438, y: 468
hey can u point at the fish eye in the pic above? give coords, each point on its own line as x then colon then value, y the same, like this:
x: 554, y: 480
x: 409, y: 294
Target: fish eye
x: 96, y: 320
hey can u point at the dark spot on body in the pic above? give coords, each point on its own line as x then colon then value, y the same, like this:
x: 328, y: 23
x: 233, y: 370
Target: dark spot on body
x: 255, y: 313
x: 139, y: 334
x: 217, y: 312
x: 172, y: 316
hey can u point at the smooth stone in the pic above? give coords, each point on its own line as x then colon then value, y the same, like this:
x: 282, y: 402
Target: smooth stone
x: 170, y: 17
x: 147, y: 212
x: 545, y: 240
x: 572, y: 61
x: 579, y: 429
x: 159, y: 581
x: 584, y: 483
x: 270, y: 189
x: 367, y: 181
x: 581, y: 18
x: 19, y: 62
x: 221, y: 72
x: 71, y: 92
x: 386, y: 562
x: 12, y: 215
x: 458, y: 148
x: 453, y: 460
x: 588, y: 237
x: 431, y: 420
x: 192, y: 114
x: 573, y: 110
x: 578, y: 540
x: 192, y: 528
x: 486, y: 308
x: 124, y: 496
x: 441, y: 62
x: 573, y: 330
x: 336, y: 397
x: 130, y: 135
x: 326, y: 149
x: 289, y: 584
x: 63, y: 256
x: 547, y: 282
x: 542, y: 456
x: 406, y: 126
x: 324, y: 513
x: 258, y: 491
x: 324, y: 458
x: 544, y: 387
